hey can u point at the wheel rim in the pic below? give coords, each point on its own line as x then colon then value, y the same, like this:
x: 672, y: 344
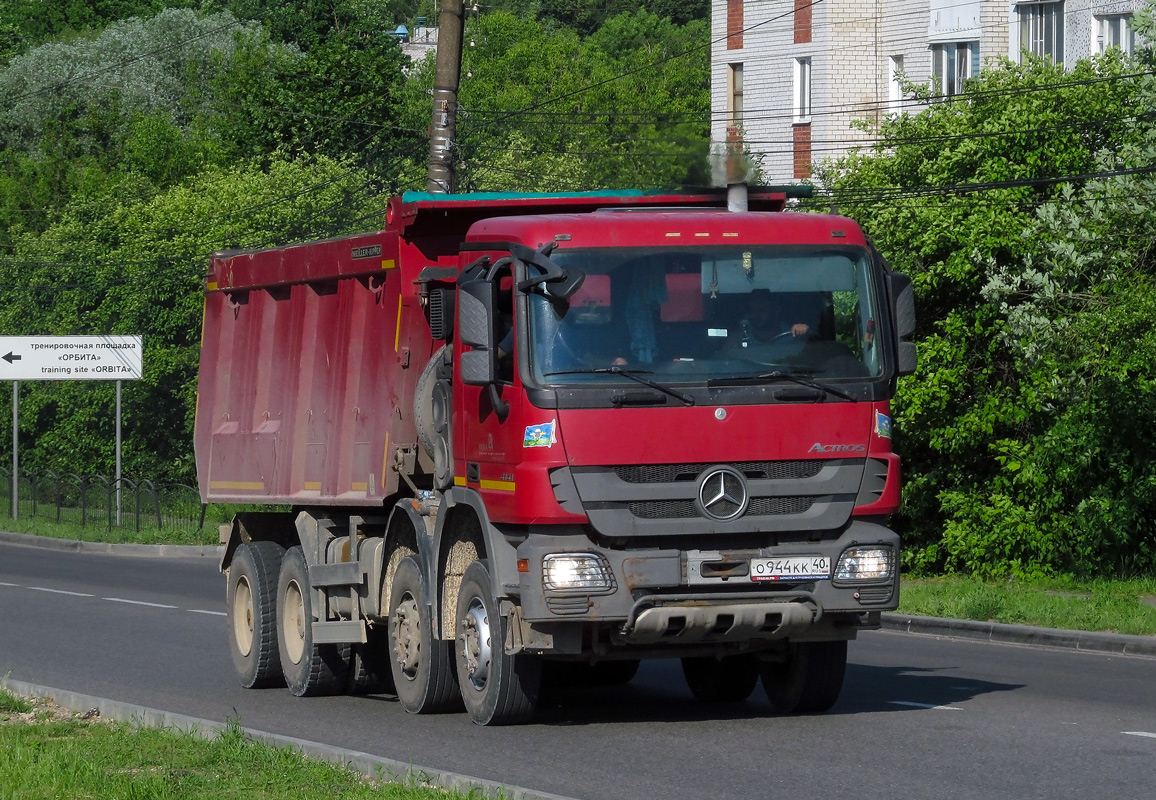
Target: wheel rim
x: 474, y: 640
x: 407, y: 636
x: 293, y: 622
x: 243, y: 613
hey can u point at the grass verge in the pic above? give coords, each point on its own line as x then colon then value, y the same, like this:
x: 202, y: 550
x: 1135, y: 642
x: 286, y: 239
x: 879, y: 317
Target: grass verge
x: 126, y: 534
x: 1113, y: 606
x: 48, y: 752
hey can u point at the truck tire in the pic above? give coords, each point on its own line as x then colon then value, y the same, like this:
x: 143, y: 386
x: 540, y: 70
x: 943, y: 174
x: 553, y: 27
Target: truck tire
x: 809, y: 681
x: 310, y: 669
x: 727, y: 680
x: 498, y: 689
x: 252, y: 608
x: 369, y: 671
x: 422, y: 665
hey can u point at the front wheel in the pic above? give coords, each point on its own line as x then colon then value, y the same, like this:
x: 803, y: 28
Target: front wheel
x: 421, y: 663
x: 809, y: 681
x: 310, y: 669
x: 498, y: 689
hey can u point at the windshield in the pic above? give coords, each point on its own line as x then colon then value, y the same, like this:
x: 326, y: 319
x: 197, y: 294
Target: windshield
x: 695, y: 315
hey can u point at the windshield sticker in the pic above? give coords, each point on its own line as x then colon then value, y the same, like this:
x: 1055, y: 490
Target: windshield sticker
x: 882, y: 425
x: 540, y: 435
x: 716, y: 332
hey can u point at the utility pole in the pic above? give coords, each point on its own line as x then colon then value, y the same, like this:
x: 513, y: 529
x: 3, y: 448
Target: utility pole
x: 445, y: 98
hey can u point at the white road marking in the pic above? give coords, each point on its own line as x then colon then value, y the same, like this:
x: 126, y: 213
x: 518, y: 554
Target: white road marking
x: 1139, y: 733
x: 923, y: 705
x: 2, y: 583
x: 202, y: 611
x: 58, y: 591
x: 137, y: 602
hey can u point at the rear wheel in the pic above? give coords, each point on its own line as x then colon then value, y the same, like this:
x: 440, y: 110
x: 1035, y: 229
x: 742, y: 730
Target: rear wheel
x: 809, y: 681
x: 727, y: 680
x: 498, y: 689
x: 310, y: 669
x: 421, y: 663
x: 252, y: 608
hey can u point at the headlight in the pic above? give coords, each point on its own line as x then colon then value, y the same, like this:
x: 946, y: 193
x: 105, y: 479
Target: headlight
x: 576, y: 572
x: 864, y: 564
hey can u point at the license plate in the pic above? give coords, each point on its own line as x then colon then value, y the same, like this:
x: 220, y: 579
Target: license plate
x: 791, y: 568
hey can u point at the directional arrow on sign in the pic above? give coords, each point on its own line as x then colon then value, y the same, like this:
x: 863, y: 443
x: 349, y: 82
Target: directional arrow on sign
x: 10, y: 358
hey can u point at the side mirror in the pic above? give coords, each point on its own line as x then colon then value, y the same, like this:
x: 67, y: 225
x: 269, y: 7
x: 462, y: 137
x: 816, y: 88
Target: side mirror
x: 903, y: 310
x: 903, y: 295
x: 477, y: 367
x: 476, y: 303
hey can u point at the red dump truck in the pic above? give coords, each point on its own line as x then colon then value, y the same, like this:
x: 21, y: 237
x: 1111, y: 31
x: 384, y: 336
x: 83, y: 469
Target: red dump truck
x: 512, y: 434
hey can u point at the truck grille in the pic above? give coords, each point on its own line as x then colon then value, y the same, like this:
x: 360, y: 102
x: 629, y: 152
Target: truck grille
x: 686, y: 509
x: 753, y: 470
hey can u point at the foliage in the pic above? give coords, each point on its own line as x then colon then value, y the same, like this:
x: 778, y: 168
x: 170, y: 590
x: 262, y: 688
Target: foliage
x: 587, y: 17
x: 129, y: 260
x: 1015, y: 433
x: 623, y: 107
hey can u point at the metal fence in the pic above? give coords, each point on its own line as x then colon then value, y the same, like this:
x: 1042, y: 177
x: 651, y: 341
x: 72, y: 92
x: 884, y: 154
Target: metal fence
x: 169, y: 511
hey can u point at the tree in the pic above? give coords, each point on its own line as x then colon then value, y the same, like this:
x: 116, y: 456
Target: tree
x: 131, y: 261
x: 630, y: 101
x: 955, y: 196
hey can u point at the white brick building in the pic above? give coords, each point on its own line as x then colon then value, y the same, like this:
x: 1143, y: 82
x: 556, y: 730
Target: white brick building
x: 795, y: 75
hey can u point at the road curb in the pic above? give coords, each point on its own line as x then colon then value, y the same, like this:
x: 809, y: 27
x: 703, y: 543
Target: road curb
x: 369, y: 765
x: 137, y: 550
x: 1092, y: 641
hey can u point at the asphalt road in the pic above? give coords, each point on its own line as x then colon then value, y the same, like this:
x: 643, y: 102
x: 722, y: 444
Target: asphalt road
x: 919, y: 717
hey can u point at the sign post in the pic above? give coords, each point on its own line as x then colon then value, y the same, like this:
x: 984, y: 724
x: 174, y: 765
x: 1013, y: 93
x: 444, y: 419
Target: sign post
x: 67, y: 358
x: 15, y: 450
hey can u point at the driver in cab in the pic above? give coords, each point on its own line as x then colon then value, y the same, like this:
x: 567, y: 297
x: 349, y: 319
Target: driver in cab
x: 769, y: 319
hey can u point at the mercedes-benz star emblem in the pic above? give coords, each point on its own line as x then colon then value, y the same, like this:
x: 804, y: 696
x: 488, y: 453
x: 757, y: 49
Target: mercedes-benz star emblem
x: 722, y: 494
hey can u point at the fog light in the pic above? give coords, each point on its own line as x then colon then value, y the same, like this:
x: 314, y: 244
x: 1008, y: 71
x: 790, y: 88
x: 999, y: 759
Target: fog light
x: 575, y: 571
x: 864, y: 564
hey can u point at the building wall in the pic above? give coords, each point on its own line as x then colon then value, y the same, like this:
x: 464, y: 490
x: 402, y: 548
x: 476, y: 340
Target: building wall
x: 852, y: 46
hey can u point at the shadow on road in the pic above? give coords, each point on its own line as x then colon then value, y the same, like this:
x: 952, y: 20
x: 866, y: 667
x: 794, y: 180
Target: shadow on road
x: 659, y: 694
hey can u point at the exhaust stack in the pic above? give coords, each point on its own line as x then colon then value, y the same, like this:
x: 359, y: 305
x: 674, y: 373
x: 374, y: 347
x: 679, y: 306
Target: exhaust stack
x: 737, y: 197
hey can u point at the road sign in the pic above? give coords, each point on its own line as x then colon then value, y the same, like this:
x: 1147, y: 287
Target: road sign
x: 70, y: 358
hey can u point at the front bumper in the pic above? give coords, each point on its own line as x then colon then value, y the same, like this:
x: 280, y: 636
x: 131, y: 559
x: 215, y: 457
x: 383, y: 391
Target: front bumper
x: 666, y: 595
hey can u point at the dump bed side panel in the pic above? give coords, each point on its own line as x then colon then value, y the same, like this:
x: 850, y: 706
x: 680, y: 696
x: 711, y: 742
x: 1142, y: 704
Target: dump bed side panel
x: 309, y: 361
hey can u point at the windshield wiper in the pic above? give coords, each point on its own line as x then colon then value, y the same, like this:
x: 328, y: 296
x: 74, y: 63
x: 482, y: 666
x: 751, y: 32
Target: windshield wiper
x: 779, y: 375
x: 634, y: 375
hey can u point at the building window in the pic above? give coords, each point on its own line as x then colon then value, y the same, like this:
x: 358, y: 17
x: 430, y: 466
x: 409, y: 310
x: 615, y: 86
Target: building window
x: 894, y: 84
x: 802, y: 92
x: 735, y: 95
x: 734, y: 24
x: 1041, y: 27
x: 802, y: 17
x: 1115, y: 30
x: 952, y: 64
